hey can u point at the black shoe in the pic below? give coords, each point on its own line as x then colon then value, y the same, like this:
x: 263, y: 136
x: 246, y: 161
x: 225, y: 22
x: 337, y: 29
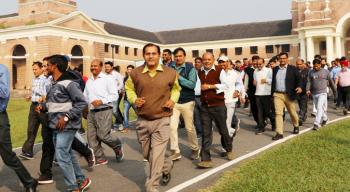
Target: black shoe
x: 165, y: 179
x: 277, y: 137
x: 90, y: 158
x: 316, y: 128
x: 296, y: 130
x: 44, y: 179
x: 345, y: 112
x: 300, y: 123
x: 260, y: 131
x: 26, y: 156
x: 32, y: 188
x: 313, y: 114
x: 119, y: 154
x: 324, y: 122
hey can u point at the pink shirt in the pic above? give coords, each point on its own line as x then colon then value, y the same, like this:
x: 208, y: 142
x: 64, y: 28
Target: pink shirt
x: 344, y: 78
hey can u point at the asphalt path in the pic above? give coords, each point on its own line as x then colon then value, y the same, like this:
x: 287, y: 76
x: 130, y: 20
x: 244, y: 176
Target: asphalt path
x: 130, y: 174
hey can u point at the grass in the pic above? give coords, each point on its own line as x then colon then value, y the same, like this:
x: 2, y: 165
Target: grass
x: 316, y: 161
x: 18, y: 110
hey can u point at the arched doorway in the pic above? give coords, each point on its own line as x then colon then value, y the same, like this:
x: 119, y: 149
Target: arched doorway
x: 77, y: 57
x: 347, y: 43
x: 19, y: 67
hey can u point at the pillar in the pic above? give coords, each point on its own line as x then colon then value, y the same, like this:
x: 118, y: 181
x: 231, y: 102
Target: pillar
x: 302, y: 49
x: 338, y: 47
x: 330, y: 48
x: 310, y: 47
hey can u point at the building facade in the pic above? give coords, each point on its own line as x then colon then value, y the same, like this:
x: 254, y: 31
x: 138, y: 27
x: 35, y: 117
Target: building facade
x: 46, y: 27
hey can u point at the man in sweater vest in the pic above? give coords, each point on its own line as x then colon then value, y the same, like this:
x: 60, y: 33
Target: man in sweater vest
x: 213, y: 108
x: 154, y: 89
x: 185, y: 106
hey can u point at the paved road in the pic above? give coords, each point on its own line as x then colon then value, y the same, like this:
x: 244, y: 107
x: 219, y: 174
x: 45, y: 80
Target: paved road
x: 129, y: 175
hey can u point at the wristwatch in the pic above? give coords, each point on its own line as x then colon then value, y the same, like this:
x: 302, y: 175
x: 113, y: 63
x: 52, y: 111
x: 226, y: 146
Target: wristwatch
x: 65, y: 119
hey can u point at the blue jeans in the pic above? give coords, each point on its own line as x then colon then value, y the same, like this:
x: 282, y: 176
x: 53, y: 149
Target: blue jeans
x: 117, y: 113
x: 320, y: 103
x: 66, y: 159
x: 127, y: 107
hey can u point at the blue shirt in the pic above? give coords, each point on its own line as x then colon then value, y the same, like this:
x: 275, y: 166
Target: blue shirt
x: 4, y: 87
x: 335, y: 72
x: 281, y: 79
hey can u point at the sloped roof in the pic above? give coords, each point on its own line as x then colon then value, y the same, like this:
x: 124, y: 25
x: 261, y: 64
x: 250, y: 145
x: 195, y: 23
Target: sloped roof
x: 124, y: 31
x: 215, y: 33
x: 236, y: 31
x: 9, y: 15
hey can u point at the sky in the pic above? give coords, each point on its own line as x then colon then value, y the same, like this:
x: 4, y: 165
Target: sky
x: 162, y: 15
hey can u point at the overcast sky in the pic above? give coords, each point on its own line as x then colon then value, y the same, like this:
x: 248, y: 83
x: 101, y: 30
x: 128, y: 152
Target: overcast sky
x: 160, y: 15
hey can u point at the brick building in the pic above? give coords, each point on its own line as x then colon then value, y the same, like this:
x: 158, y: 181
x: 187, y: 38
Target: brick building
x: 45, y: 27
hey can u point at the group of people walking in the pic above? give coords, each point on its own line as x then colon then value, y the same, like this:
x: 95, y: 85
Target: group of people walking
x: 203, y: 95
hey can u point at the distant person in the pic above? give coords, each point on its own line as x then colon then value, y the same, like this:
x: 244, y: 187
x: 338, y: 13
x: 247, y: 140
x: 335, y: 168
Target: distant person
x: 343, y: 80
x: 39, y: 84
x: 110, y: 71
x: 127, y: 104
x: 317, y: 84
x: 302, y: 97
x: 262, y: 81
x: 167, y: 57
x: 101, y: 93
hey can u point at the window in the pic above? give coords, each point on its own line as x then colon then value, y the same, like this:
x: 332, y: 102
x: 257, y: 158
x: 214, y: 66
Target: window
x: 116, y: 49
x: 195, y: 53
x: 269, y: 48
x: 106, y: 48
x: 135, y: 52
x: 323, y: 45
x: 254, y: 50
x: 285, y: 48
x: 209, y: 50
x: 238, y: 51
x: 126, y: 50
x: 223, y: 51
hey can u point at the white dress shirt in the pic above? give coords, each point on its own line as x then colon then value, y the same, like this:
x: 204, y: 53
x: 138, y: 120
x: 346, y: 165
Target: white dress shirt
x: 263, y: 89
x: 233, y: 82
x: 219, y: 87
x: 118, y: 79
x: 102, y: 88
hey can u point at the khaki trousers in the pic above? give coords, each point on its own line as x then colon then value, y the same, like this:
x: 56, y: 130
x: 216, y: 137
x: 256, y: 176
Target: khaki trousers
x: 281, y: 100
x: 187, y: 111
x: 153, y: 137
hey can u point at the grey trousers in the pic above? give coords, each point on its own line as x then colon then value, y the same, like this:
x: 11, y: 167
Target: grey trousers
x: 99, y: 130
x: 153, y: 137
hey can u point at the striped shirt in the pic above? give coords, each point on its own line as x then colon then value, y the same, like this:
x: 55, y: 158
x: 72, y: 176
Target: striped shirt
x: 281, y: 79
x: 39, y: 85
x: 344, y: 78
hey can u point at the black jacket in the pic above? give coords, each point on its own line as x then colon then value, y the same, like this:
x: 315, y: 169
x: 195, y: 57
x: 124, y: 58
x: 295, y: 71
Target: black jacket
x: 292, y: 81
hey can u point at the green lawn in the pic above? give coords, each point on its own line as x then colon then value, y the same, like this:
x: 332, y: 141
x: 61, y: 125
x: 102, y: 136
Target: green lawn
x: 18, y: 110
x: 316, y: 161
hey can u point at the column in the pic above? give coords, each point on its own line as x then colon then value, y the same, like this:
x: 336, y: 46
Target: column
x: 302, y: 49
x: 343, y: 47
x: 330, y: 49
x: 310, y: 49
x: 338, y: 48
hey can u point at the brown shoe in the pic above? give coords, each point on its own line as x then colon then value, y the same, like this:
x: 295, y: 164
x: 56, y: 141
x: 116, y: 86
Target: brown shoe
x: 230, y: 156
x: 277, y: 137
x: 205, y: 165
x: 195, y: 154
x: 175, y: 156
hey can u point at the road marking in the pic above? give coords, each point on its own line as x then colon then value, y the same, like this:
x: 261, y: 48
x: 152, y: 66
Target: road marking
x: 239, y: 159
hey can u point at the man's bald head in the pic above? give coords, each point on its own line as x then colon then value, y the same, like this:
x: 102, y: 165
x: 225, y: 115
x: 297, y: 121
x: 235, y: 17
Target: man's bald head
x: 208, y: 60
